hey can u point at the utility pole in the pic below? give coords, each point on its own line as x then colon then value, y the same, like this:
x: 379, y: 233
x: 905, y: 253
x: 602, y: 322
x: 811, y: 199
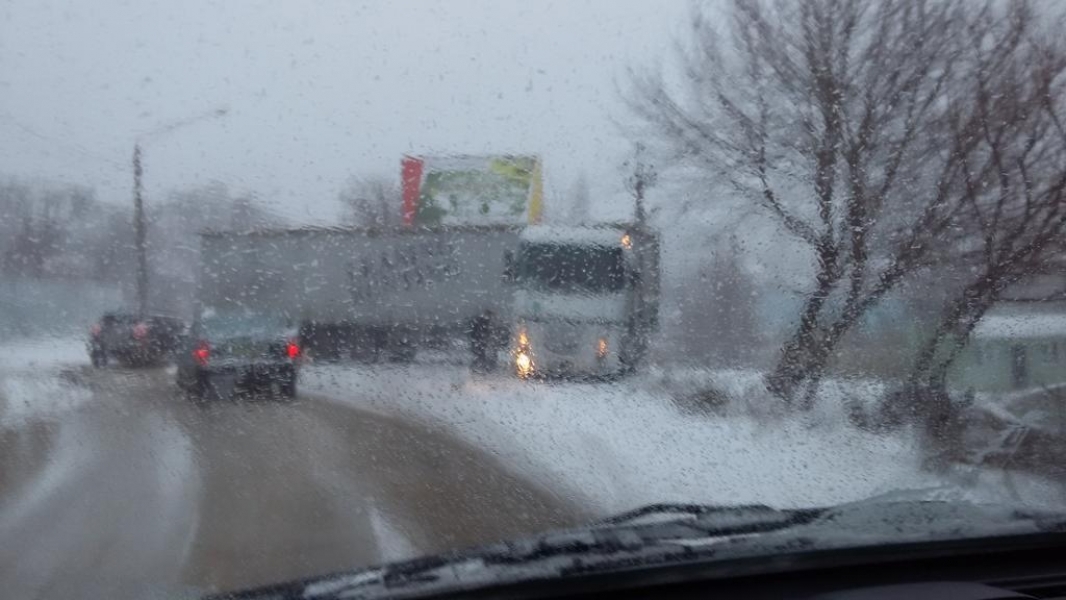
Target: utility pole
x: 643, y: 177
x: 139, y: 233
x: 639, y: 213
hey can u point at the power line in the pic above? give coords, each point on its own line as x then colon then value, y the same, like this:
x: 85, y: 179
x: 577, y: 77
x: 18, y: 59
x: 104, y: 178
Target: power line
x: 64, y: 143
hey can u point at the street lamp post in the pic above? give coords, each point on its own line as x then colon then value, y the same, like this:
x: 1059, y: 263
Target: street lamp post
x: 139, y: 233
x: 140, y: 227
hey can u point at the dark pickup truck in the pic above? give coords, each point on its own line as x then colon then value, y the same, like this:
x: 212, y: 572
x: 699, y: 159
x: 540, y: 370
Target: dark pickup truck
x: 134, y: 340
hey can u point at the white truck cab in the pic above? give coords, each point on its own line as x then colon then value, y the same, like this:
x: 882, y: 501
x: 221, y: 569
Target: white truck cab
x: 585, y: 299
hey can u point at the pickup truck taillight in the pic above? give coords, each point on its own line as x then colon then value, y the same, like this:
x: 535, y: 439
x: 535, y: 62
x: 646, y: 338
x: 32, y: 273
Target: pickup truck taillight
x: 202, y: 353
x: 140, y: 331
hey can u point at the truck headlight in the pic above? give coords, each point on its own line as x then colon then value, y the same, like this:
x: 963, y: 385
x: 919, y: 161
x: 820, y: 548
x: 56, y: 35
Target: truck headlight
x: 601, y: 348
x: 523, y: 363
x: 523, y: 355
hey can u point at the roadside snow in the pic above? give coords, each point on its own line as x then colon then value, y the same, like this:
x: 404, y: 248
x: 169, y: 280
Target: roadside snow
x: 30, y: 382
x: 46, y: 353
x: 625, y: 445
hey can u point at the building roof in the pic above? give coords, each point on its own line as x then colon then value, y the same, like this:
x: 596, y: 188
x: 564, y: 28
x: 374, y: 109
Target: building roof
x: 352, y: 230
x: 1021, y: 326
x: 601, y: 235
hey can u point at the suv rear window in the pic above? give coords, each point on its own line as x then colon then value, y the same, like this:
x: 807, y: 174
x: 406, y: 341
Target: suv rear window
x: 234, y: 324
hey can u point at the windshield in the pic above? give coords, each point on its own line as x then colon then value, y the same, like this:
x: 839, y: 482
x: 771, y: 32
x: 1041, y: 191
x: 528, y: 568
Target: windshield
x: 232, y: 324
x: 569, y: 268
x: 291, y: 288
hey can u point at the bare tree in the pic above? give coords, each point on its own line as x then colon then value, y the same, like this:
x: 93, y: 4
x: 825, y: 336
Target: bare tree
x: 42, y: 226
x: 859, y: 126
x: 1013, y: 194
x: 373, y: 201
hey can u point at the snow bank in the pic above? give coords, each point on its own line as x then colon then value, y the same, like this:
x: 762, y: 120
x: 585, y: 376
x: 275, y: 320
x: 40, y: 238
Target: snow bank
x: 31, y: 385
x: 619, y: 446
x: 46, y: 353
x: 746, y: 395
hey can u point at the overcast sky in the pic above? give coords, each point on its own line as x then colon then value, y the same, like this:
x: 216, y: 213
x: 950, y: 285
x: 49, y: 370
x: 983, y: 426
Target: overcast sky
x: 318, y: 91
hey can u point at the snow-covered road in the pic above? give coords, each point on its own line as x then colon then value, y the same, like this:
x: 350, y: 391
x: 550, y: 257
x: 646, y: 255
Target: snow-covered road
x: 114, y: 485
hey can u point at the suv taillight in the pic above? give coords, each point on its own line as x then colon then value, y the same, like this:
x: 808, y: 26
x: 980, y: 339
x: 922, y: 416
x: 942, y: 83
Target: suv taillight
x: 292, y: 349
x: 202, y: 353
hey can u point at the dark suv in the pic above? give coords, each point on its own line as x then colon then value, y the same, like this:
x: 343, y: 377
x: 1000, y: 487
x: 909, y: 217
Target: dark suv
x: 225, y: 352
x: 134, y: 340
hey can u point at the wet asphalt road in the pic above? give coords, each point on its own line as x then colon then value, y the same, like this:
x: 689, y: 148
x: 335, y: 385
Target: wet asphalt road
x: 140, y: 492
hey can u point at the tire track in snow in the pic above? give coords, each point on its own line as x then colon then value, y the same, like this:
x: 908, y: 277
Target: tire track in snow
x: 115, y: 497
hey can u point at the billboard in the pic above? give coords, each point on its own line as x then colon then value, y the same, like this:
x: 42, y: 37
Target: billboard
x: 472, y: 190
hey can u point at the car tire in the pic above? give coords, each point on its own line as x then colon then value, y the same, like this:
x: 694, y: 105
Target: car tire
x: 287, y: 385
x: 402, y: 351
x: 198, y: 390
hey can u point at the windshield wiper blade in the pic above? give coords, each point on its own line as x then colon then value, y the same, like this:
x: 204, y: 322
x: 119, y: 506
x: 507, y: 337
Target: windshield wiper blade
x: 716, y: 520
x: 620, y: 538
x: 666, y: 509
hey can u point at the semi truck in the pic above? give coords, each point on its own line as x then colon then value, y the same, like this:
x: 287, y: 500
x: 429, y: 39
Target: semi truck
x: 556, y: 300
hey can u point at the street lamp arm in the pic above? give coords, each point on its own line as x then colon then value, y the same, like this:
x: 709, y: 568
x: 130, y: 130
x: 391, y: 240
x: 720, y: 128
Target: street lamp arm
x: 161, y: 131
